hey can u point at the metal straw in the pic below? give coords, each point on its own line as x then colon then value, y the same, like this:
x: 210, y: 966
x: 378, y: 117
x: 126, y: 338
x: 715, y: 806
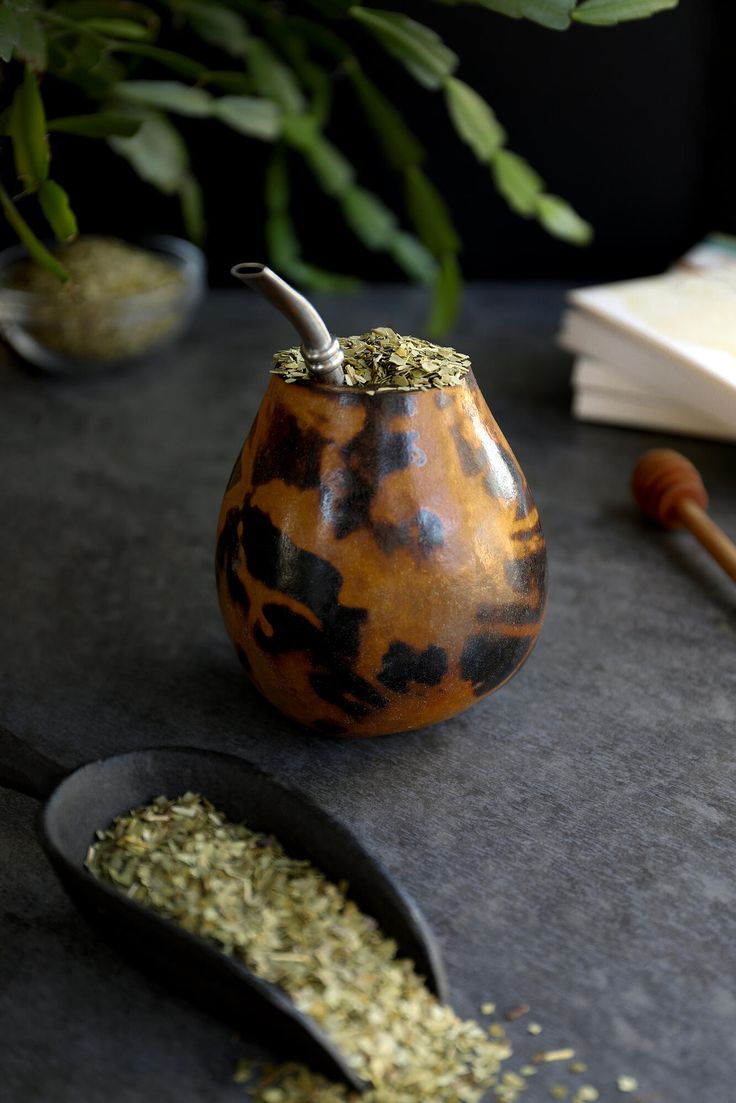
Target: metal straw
x: 321, y: 351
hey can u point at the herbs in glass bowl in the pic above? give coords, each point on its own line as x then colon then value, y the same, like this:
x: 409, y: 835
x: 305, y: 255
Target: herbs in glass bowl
x: 120, y: 303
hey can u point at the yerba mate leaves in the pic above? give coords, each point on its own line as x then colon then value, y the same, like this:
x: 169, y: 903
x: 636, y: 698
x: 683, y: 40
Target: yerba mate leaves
x: 382, y: 360
x: 288, y: 923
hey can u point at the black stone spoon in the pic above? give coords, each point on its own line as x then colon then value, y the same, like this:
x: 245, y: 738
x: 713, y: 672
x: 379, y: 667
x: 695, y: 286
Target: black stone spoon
x: 79, y: 801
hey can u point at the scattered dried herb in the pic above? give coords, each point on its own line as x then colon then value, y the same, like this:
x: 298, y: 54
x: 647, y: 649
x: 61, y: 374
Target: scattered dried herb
x: 547, y: 1056
x: 586, y: 1094
x: 511, y: 1086
x: 287, y: 922
x: 381, y: 360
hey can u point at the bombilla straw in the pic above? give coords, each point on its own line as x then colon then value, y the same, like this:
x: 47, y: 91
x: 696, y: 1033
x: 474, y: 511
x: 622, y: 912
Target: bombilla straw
x: 321, y: 351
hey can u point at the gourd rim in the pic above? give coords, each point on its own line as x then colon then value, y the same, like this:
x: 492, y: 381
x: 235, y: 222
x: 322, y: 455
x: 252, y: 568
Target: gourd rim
x: 365, y: 391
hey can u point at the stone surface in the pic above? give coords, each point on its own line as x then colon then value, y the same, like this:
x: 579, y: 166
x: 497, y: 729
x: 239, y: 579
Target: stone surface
x: 570, y: 839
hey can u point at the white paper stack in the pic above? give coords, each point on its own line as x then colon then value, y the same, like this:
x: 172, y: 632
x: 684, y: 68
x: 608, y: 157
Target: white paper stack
x: 660, y: 352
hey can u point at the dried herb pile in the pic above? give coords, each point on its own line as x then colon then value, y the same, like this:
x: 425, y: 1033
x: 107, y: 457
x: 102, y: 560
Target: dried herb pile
x: 382, y: 360
x: 292, y: 926
x: 90, y: 317
x: 99, y: 269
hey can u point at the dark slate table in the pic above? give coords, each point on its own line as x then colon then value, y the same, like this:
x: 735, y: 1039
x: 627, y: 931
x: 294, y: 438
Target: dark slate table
x: 571, y: 839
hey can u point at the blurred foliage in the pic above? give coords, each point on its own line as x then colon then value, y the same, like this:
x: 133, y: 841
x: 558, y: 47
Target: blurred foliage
x: 278, y: 71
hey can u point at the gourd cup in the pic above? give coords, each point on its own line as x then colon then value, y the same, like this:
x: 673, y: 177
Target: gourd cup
x: 380, y: 562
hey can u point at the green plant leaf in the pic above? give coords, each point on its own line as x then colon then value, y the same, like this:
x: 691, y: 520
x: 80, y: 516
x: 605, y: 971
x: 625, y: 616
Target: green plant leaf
x: 273, y: 79
x: 105, y: 9
x: 230, y: 80
x: 89, y: 64
x: 167, y: 95
x: 368, y: 217
x: 514, y: 9
x: 605, y: 13
x: 276, y: 182
x: 517, y: 182
x: 413, y: 258
x: 333, y: 9
x: 30, y: 46
x: 104, y: 20
x: 317, y: 279
x: 420, y: 49
x: 186, y: 67
x: 118, y: 28
x: 334, y: 173
x: 248, y: 115
x: 284, y: 252
x: 319, y: 35
x: 192, y: 208
x: 282, y: 243
x: 57, y: 211
x: 560, y: 220
x: 399, y: 145
x: 216, y: 24
x: 312, y: 77
x: 446, y: 295
x: 300, y: 131
x: 473, y: 119
x: 9, y: 31
x: 429, y: 214
x: 35, y: 248
x: 157, y: 152
x: 319, y: 83
x: 554, y: 14
x: 177, y: 63
x: 101, y: 125
x: 28, y: 130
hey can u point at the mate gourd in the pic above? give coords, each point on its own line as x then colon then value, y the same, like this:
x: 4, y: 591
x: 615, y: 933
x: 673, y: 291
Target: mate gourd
x: 380, y: 562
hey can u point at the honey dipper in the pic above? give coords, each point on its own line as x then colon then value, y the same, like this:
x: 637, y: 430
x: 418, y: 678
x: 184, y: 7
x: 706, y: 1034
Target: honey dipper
x: 669, y: 489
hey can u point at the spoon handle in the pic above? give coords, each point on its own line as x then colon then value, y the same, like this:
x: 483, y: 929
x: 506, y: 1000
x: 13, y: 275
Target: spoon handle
x: 713, y: 538
x: 25, y: 770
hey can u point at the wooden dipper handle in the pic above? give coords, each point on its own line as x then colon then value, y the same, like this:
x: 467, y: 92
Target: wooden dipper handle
x: 669, y: 489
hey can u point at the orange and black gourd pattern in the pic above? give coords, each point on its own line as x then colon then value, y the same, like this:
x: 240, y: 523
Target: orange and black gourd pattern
x: 380, y: 563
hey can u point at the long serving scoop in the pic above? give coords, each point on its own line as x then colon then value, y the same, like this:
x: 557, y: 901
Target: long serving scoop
x: 321, y: 351
x: 80, y: 801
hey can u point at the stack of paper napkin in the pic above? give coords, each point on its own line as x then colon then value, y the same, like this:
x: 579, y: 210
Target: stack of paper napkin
x: 660, y: 352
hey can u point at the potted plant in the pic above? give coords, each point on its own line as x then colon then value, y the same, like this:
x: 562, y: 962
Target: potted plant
x: 275, y: 71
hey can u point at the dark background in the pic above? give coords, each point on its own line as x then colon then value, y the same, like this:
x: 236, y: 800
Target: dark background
x: 632, y: 124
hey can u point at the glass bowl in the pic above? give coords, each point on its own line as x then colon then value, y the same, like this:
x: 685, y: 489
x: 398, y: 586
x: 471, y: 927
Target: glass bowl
x: 88, y: 337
